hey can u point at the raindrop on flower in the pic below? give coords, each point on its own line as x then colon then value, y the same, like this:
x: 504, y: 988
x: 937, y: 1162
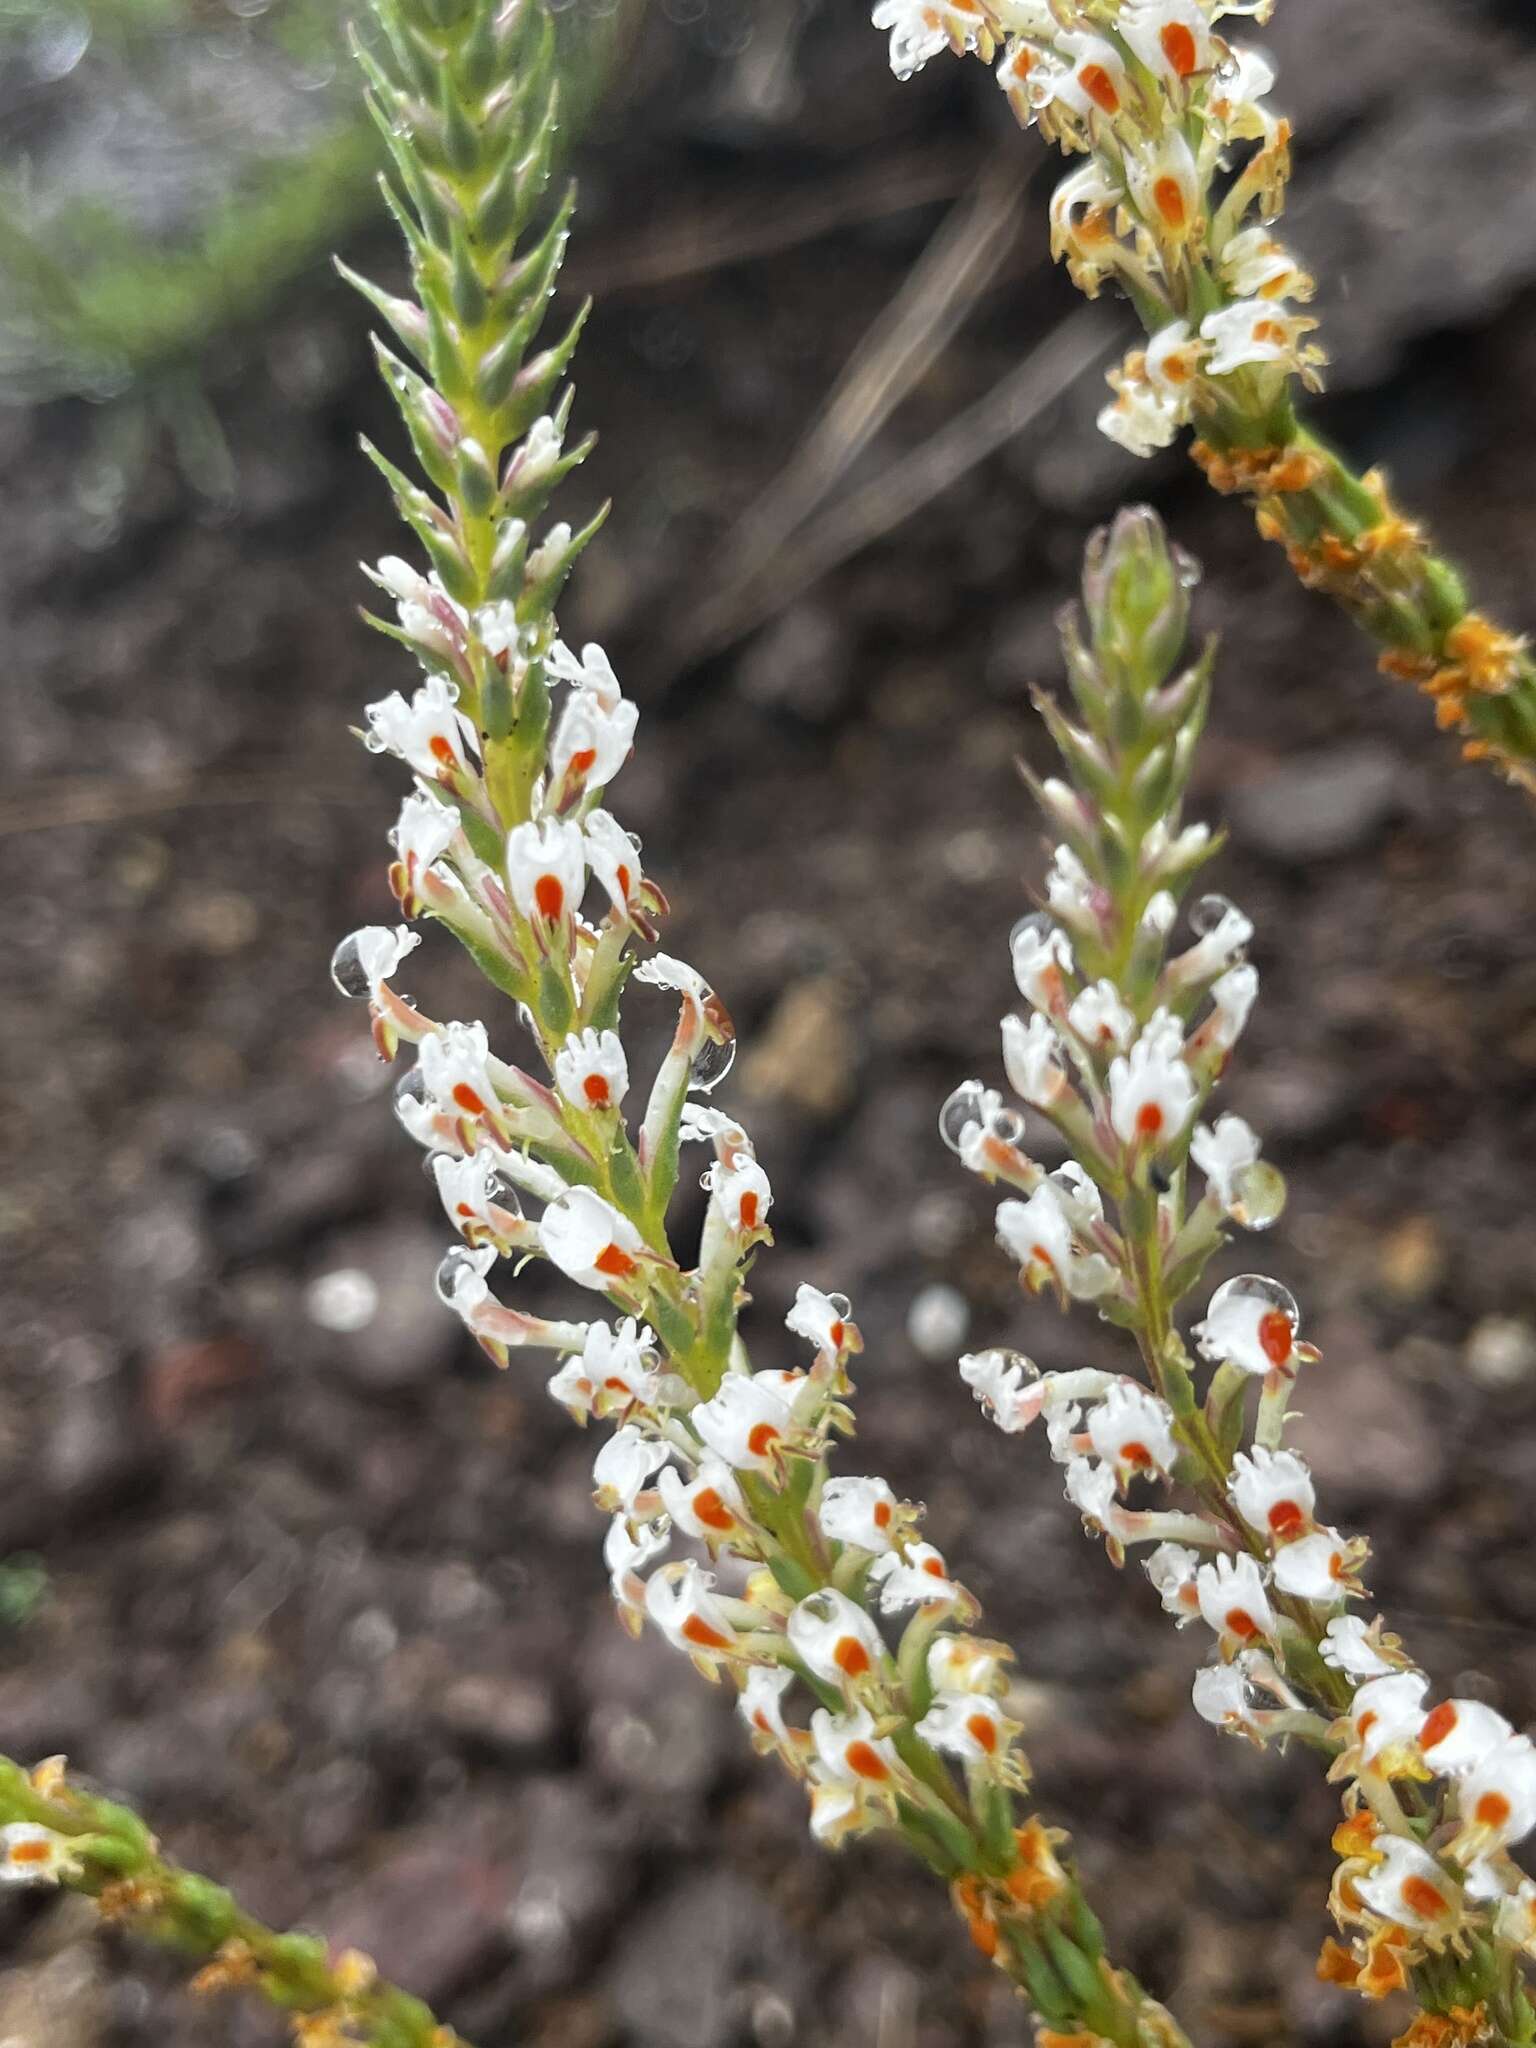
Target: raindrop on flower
x: 1207, y: 912
x: 1260, y: 1192
x: 347, y: 970
x: 409, y: 1088
x: 966, y: 1106
x: 457, y: 1266
x: 711, y: 1063
x: 840, y: 1305
x: 1186, y: 568
x: 1007, y: 1126
x: 1261, y: 1296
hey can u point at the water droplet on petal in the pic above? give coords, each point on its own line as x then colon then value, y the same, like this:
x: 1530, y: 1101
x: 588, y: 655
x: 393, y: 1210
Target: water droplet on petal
x: 1260, y: 1195
x: 711, y: 1063
x: 1007, y: 1126
x: 1208, y: 912
x: 966, y: 1106
x: 1186, y: 568
x: 457, y: 1266
x: 841, y: 1305
x: 347, y: 970
x: 1255, y: 1297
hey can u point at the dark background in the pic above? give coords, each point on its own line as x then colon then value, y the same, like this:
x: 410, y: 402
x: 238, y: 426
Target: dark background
x: 330, y: 1605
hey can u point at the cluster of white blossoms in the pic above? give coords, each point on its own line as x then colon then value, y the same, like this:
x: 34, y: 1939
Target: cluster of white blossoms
x: 1185, y: 170
x: 1128, y: 1031
x: 727, y: 1531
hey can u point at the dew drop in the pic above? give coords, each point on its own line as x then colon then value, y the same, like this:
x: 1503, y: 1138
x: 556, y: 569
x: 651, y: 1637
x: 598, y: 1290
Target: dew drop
x: 457, y: 1267
x: 1186, y: 568
x: 1260, y: 1195
x: 1007, y: 1126
x: 1207, y: 913
x: 841, y: 1305
x: 966, y: 1106
x: 410, y: 1090
x: 1255, y: 1295
x: 711, y: 1063
x: 347, y: 970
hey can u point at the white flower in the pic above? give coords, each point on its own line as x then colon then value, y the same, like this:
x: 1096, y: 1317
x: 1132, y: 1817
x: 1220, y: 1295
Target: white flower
x: 1387, y: 1713
x: 1273, y: 1492
x: 589, y: 1240
x: 1253, y: 331
x: 1254, y: 265
x: 744, y: 1423
x: 919, y: 29
x: 471, y: 1189
x: 1221, y: 1155
x: 1165, y: 183
x: 1001, y: 1384
x: 1151, y: 1090
x: 591, y: 1071
x: 31, y: 1854
x: 1250, y: 1323
x: 454, y: 1062
x: 547, y: 870
x: 1172, y: 1568
x: 1132, y: 1431
x: 848, y: 1749
x: 1347, y: 1645
x: 1407, y: 1886
x: 1101, y: 1018
x: 958, y: 1663
x: 1157, y: 920
x: 822, y: 1319
x: 761, y: 1704
x: 709, y: 1506
x: 1214, y: 951
x: 858, y: 1511
x: 627, y: 1551
x: 1232, y: 997
x: 429, y: 734
x: 1140, y: 419
x: 1459, y: 1734
x: 373, y: 954
x: 1232, y: 1599
x: 837, y: 1811
x: 1038, y: 1235
x: 679, y: 1601
x: 835, y: 1640
x: 1089, y: 187
x: 572, y: 1387
x: 1041, y: 956
x: 1091, y: 1490
x: 622, y: 1470
x: 1497, y: 1798
x: 1070, y: 889
x: 967, y: 1725
x: 614, y: 856
x: 1173, y: 359
x: 1314, y: 1567
x: 591, y: 672
x: 620, y: 1363
x: 1096, y: 82
x: 591, y: 742
x: 1220, y: 1695
x: 461, y: 1281
x: 420, y: 837
x: 1171, y: 37
x: 920, y: 1579
x: 1032, y: 1060
x: 741, y: 1189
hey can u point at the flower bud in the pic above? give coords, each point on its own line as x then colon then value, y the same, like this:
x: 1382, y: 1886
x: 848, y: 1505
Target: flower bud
x: 1135, y: 591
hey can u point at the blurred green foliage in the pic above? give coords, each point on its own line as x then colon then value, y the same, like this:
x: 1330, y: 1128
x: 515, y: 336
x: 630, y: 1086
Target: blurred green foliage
x: 23, y: 1589
x: 98, y: 303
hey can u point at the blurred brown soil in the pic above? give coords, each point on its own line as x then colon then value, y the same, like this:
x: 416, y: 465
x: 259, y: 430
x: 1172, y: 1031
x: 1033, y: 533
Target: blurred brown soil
x: 330, y: 1605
